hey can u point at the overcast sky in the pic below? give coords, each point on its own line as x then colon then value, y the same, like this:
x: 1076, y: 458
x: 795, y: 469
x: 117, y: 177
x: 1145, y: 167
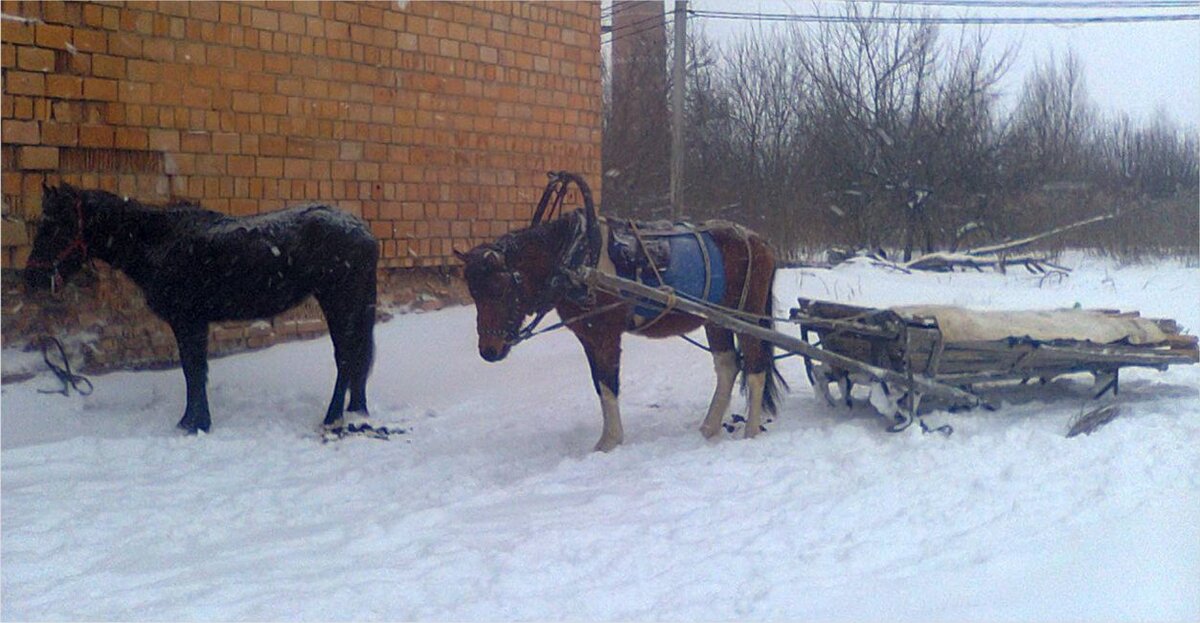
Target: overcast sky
x: 1137, y: 68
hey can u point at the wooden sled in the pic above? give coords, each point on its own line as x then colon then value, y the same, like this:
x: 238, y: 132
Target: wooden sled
x: 963, y: 348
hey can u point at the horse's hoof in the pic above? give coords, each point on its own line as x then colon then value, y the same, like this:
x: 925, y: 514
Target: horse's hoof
x: 606, y: 445
x: 191, y: 429
x: 709, y: 432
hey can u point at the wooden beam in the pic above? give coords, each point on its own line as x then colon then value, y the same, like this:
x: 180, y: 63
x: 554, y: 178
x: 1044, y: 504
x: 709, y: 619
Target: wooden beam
x: 626, y: 289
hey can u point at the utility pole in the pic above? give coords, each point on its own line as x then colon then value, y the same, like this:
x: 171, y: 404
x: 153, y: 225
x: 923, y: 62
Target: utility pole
x: 677, y: 78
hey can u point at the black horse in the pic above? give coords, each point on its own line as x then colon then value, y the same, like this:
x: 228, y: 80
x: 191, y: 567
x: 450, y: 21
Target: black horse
x: 196, y: 266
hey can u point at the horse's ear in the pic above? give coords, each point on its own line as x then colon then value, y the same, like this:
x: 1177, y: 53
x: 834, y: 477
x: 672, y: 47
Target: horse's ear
x: 462, y: 257
x: 494, y: 257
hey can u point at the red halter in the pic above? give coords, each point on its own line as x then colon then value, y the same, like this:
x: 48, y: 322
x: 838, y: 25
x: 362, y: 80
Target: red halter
x: 78, y: 243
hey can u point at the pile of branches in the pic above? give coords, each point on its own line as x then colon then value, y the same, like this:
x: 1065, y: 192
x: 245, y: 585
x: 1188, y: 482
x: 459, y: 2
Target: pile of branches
x: 998, y: 256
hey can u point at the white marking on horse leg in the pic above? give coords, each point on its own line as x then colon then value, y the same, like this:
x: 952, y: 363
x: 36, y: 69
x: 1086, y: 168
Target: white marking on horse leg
x: 756, y: 383
x: 725, y: 363
x: 613, y: 434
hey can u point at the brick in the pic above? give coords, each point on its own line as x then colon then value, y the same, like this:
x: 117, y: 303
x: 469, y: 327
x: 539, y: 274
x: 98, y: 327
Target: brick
x: 21, y: 132
x: 104, y: 66
x: 63, y: 86
x: 99, y: 89
x: 24, y: 83
x: 18, y: 32
x: 159, y: 50
x: 265, y: 20
x: 93, y: 15
x: 297, y: 168
x: 60, y: 134
x: 38, y: 158
x: 245, y: 102
x: 53, y: 36
x: 35, y: 59
x: 131, y: 138
x: 95, y: 136
x: 196, y: 142
x: 225, y: 143
x: 143, y: 71
x: 90, y: 40
x: 14, y: 233
x: 124, y: 44
x: 134, y: 92
x: 164, y: 140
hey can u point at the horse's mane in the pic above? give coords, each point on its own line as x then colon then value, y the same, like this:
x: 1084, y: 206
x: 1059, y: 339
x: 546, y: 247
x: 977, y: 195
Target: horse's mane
x: 554, y: 235
x: 105, y: 200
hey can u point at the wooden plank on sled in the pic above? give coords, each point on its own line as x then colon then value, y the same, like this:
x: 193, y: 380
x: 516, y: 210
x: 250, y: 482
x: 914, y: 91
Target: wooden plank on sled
x: 627, y: 289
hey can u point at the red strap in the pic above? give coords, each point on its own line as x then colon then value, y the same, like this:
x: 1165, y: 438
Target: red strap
x: 77, y: 243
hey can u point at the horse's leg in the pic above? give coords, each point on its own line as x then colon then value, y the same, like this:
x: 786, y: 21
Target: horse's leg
x: 720, y: 341
x: 604, y: 359
x: 756, y: 363
x: 340, y: 327
x: 192, y: 339
x: 362, y: 341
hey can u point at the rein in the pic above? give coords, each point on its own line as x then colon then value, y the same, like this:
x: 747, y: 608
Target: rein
x: 69, y: 379
x: 529, y: 332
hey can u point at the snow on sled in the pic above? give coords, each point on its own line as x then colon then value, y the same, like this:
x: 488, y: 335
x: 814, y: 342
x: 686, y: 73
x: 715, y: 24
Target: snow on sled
x: 963, y: 348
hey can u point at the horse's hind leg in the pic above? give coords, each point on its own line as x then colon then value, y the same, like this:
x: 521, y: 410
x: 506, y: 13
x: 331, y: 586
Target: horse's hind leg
x: 725, y: 364
x: 604, y: 359
x: 362, y: 331
x: 349, y: 308
x: 363, y: 344
x: 192, y: 339
x: 341, y: 334
x: 756, y: 364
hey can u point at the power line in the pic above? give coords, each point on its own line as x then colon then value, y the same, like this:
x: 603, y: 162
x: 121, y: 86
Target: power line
x: 914, y: 19
x: 635, y: 28
x: 661, y: 22
x: 611, y: 28
x: 1046, y: 4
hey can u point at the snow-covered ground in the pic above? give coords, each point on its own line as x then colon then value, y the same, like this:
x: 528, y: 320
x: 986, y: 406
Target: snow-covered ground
x: 493, y: 507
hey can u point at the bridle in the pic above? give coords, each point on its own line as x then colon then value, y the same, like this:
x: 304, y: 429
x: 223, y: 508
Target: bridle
x: 78, y: 243
x: 583, y: 249
x: 521, y: 305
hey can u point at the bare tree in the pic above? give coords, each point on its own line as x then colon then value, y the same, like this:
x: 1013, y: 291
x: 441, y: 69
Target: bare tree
x: 889, y: 134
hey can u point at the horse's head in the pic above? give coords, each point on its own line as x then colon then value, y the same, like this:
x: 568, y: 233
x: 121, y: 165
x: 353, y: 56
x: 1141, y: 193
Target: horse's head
x: 59, y: 249
x: 498, y: 291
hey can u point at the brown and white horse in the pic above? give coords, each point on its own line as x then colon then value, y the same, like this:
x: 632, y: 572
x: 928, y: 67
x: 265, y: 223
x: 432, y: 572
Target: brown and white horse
x: 523, y: 273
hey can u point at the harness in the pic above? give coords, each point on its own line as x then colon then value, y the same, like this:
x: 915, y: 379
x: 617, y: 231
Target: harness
x: 680, y: 257
x: 77, y: 244
x: 646, y: 254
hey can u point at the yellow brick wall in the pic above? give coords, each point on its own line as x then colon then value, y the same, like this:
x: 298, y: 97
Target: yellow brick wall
x: 435, y: 121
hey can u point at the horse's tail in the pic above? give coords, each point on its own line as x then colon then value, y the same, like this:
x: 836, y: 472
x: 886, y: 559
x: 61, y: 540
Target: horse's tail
x: 775, y: 383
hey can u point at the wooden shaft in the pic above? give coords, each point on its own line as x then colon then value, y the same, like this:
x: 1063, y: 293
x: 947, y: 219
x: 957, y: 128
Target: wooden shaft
x: 619, y: 287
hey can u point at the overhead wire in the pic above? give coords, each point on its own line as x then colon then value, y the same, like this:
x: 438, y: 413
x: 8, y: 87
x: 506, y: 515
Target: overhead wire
x: 636, y: 28
x: 941, y: 19
x: 1044, y: 4
x: 652, y: 22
